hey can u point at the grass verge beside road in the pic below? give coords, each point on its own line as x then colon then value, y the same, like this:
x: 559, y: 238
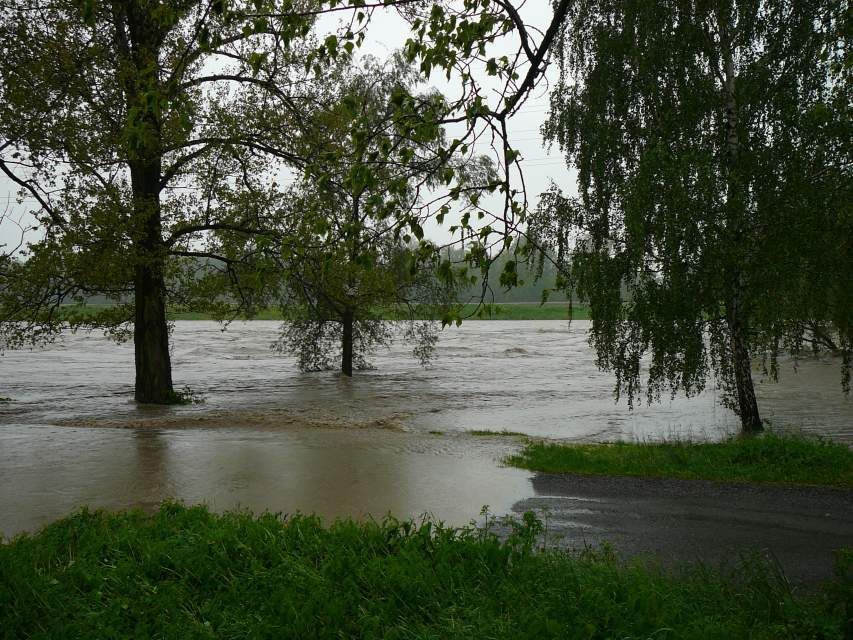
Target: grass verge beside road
x: 186, y: 573
x: 771, y: 458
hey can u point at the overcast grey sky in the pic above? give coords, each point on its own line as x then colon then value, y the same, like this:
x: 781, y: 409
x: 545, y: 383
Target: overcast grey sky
x: 388, y: 33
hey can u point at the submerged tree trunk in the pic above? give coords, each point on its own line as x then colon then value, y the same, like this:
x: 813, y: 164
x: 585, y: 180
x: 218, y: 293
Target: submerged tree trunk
x: 151, y: 338
x: 150, y: 329
x: 348, y: 316
x: 346, y: 343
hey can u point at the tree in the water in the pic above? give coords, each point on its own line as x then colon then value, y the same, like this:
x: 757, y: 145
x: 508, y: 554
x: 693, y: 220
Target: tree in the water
x: 362, y: 271
x: 123, y: 121
x: 111, y: 115
x: 340, y: 310
x: 712, y: 143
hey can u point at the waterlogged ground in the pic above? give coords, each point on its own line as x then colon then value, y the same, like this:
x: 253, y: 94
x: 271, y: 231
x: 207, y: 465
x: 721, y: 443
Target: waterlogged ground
x: 47, y: 471
x: 268, y: 437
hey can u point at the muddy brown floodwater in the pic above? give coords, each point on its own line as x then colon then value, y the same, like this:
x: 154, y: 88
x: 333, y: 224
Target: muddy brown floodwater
x: 268, y: 437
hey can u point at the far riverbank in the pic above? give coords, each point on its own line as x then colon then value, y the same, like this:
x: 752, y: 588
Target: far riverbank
x: 496, y: 311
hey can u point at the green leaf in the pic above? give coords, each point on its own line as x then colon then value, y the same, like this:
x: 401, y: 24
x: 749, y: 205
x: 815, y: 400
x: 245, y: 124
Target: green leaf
x: 331, y: 45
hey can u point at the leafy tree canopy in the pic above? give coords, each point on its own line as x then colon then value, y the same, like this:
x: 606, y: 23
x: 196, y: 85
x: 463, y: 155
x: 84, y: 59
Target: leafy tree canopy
x: 358, y: 249
x: 712, y: 142
x: 140, y: 130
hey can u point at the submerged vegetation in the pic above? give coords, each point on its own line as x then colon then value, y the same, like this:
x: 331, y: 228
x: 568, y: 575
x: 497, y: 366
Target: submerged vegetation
x: 247, y: 159
x: 486, y: 433
x: 185, y: 395
x: 185, y: 572
x: 771, y: 458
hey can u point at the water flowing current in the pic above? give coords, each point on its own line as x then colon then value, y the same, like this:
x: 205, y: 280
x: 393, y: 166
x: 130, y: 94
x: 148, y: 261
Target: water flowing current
x: 393, y: 439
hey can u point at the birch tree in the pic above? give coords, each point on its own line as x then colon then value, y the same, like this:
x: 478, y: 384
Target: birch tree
x: 713, y: 222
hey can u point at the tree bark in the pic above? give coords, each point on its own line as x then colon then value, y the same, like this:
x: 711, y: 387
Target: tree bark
x: 138, y: 39
x: 348, y: 316
x: 346, y: 343
x: 150, y: 329
x: 750, y: 419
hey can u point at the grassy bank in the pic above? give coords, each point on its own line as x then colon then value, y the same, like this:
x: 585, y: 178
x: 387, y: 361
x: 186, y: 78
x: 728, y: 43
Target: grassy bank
x: 769, y: 458
x: 505, y: 311
x: 530, y: 311
x: 186, y: 573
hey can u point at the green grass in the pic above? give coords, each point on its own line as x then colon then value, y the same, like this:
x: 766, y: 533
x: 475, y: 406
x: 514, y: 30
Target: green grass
x: 187, y: 573
x: 771, y: 458
x: 504, y: 311
x: 529, y: 311
x: 488, y: 433
x: 266, y: 314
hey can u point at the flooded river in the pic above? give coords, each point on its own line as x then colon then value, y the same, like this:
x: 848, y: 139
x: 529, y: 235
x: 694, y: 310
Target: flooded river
x: 392, y: 439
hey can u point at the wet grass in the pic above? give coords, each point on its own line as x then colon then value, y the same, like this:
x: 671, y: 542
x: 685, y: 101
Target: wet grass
x: 265, y: 314
x: 186, y: 573
x: 488, y: 433
x: 769, y: 458
x: 528, y: 311
x: 185, y: 396
x: 504, y: 311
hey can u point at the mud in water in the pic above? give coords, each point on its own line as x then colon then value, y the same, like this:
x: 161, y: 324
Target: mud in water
x: 536, y: 377
x: 268, y: 437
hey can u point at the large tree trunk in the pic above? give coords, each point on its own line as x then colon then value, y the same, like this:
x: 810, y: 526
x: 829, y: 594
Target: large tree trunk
x: 138, y: 40
x: 348, y: 316
x: 346, y: 343
x: 150, y: 329
x: 151, y: 338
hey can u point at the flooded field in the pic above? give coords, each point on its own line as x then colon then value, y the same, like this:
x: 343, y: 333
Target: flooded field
x: 392, y: 439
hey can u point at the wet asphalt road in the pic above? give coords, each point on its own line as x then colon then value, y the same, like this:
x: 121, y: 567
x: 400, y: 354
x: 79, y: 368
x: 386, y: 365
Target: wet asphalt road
x: 689, y: 521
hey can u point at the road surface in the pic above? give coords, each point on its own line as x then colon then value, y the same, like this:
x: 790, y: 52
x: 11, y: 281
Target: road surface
x: 686, y: 521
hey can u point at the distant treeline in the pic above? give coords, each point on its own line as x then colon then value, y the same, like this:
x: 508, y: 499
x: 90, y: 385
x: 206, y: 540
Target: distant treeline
x: 529, y: 289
